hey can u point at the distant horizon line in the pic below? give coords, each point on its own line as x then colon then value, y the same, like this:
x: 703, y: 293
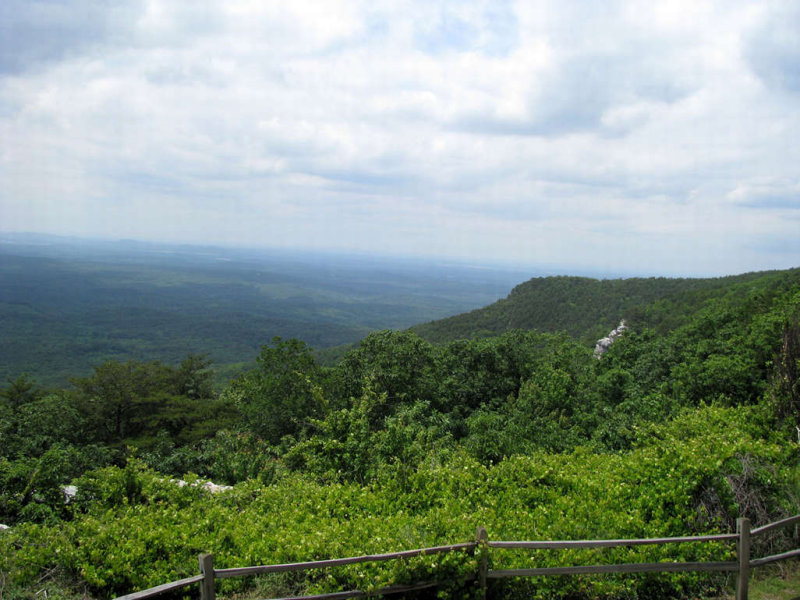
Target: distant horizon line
x: 529, y: 270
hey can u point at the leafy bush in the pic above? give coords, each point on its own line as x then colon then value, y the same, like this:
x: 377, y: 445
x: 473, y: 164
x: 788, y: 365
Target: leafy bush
x: 138, y: 529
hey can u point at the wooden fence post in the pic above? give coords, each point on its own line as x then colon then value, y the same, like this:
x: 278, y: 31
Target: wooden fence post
x: 481, y: 537
x: 743, y: 551
x: 207, y: 571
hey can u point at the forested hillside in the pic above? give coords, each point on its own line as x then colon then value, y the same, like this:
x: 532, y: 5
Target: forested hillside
x: 585, y: 307
x: 686, y: 423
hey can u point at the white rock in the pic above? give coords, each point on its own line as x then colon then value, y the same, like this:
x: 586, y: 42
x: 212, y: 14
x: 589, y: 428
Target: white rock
x: 603, y: 344
x: 69, y: 491
x: 214, y: 488
x: 208, y: 485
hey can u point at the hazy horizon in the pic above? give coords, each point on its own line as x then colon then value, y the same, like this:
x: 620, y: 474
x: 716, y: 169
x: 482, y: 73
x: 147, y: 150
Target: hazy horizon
x: 524, y: 270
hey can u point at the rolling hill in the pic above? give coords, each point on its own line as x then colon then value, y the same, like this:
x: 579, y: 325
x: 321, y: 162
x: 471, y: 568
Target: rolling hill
x: 587, y: 308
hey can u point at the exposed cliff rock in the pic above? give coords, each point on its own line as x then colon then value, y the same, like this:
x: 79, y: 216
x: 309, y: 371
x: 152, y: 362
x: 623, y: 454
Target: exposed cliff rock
x: 604, y: 344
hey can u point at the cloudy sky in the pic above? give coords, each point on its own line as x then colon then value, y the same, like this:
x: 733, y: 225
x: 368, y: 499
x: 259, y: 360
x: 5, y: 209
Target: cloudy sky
x: 658, y: 137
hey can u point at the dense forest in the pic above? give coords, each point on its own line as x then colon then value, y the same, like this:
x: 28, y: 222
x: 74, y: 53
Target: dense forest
x: 583, y: 307
x: 68, y: 305
x: 503, y: 417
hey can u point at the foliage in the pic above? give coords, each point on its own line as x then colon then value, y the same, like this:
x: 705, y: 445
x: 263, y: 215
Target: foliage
x: 785, y: 383
x: 21, y: 390
x: 280, y: 396
x: 134, y: 528
x: 681, y: 427
x: 31, y: 489
x: 131, y: 403
x: 397, y: 364
x: 229, y: 457
x: 586, y: 307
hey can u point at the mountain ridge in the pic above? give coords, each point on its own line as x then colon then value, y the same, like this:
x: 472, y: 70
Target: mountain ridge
x: 585, y: 307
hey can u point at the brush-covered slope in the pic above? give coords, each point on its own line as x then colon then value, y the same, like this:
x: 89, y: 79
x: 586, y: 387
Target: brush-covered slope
x: 586, y: 308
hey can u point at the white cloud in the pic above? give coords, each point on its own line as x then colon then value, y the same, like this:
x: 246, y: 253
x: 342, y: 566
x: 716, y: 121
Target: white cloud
x: 559, y: 132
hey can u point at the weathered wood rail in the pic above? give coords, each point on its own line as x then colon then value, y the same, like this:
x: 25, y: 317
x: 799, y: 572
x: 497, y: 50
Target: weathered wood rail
x: 741, y: 566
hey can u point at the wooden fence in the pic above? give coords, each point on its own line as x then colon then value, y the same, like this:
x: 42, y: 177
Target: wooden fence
x: 742, y: 565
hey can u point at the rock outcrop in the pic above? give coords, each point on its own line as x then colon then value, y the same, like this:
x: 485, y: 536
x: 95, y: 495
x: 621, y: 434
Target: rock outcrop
x: 70, y: 491
x: 208, y: 485
x: 604, y: 344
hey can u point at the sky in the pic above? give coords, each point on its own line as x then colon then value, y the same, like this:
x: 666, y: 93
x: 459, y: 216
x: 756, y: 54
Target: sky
x: 659, y: 137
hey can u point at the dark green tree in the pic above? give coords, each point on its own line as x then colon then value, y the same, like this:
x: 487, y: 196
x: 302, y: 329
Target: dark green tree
x: 20, y: 391
x: 399, y: 364
x: 280, y: 396
x: 194, y: 378
x: 37, y: 426
x: 119, y: 397
x: 785, y: 385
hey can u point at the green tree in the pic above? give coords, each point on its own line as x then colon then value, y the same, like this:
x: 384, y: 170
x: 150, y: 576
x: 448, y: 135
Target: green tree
x: 488, y: 437
x: 194, y: 378
x: 20, y: 391
x: 118, y: 397
x: 397, y: 363
x: 37, y: 426
x: 132, y: 403
x: 548, y: 411
x: 472, y: 373
x: 785, y: 385
x: 280, y: 396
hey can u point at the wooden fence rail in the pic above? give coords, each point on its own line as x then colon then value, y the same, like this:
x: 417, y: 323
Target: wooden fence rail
x: 742, y: 565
